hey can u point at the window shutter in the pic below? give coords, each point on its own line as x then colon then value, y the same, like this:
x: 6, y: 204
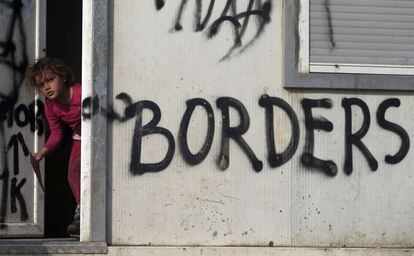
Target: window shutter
x: 362, y: 32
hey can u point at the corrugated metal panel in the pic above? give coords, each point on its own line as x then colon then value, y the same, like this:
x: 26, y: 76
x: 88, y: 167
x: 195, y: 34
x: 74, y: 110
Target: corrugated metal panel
x: 21, y: 41
x: 379, y: 32
x: 201, y: 205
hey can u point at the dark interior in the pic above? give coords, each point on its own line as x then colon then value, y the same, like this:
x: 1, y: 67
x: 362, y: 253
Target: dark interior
x: 63, y: 41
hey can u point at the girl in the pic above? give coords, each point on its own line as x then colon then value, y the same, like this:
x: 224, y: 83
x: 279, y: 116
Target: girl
x: 54, y: 79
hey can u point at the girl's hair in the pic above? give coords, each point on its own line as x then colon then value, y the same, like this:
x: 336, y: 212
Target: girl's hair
x: 55, y: 65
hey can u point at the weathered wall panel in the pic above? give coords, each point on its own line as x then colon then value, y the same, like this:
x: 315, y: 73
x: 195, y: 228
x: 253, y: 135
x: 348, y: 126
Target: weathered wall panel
x: 21, y: 202
x: 290, y: 205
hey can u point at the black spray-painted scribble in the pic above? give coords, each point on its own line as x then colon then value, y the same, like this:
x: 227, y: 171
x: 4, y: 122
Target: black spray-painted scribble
x: 190, y: 158
x: 25, y: 115
x: 274, y: 158
x: 91, y: 107
x: 230, y: 14
x: 9, y: 47
x: 224, y: 103
x: 159, y: 4
x: 330, y: 24
x: 4, y: 177
x: 14, y: 142
x: 393, y: 127
x: 15, y: 193
x: 14, y: 59
x: 308, y: 159
x: 8, y: 59
x: 150, y: 128
x: 13, y: 147
x: 355, y: 138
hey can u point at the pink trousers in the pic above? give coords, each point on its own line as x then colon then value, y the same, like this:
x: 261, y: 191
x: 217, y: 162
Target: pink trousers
x: 74, y: 169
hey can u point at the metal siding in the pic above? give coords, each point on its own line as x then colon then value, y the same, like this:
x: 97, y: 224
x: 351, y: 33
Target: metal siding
x: 362, y: 32
x: 364, y: 209
x: 201, y: 205
x: 26, y: 44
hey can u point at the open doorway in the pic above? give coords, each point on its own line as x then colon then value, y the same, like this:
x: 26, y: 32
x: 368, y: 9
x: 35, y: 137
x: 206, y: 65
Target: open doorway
x: 23, y: 39
x: 63, y: 41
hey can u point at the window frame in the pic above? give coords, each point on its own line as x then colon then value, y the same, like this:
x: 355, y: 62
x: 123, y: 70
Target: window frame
x: 299, y: 74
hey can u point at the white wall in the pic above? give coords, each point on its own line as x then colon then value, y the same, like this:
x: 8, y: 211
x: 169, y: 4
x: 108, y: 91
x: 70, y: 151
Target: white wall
x: 203, y: 205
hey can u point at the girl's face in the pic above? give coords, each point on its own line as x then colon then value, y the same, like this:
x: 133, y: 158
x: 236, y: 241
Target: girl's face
x: 50, y: 84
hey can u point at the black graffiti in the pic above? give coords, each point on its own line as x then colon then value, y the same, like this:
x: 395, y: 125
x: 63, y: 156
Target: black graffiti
x: 25, y: 115
x: 308, y: 159
x: 177, y: 25
x: 159, y: 4
x: 200, y: 23
x: 224, y: 103
x: 8, y: 58
x: 387, y: 125
x: 355, y: 138
x: 8, y: 46
x: 4, y: 177
x: 22, y: 109
x: 37, y: 121
x: 189, y: 157
x: 229, y: 14
x: 15, y: 193
x: 16, y: 65
x: 91, y: 107
x: 274, y: 158
x: 14, y: 142
x: 134, y: 110
x: 329, y: 18
x: 150, y: 128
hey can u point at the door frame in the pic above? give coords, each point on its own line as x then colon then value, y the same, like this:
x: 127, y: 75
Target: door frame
x: 94, y: 129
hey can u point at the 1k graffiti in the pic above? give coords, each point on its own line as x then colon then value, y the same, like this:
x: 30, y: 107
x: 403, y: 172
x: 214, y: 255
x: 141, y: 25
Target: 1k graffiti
x: 230, y: 14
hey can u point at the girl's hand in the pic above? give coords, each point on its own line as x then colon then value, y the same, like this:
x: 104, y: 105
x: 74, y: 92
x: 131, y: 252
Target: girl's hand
x: 34, y: 161
x: 38, y: 156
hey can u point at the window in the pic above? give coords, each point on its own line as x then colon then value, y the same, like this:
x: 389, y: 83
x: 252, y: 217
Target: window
x: 349, y: 44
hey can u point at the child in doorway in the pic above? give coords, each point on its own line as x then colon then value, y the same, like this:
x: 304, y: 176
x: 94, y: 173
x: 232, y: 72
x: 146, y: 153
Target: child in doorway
x: 54, y: 79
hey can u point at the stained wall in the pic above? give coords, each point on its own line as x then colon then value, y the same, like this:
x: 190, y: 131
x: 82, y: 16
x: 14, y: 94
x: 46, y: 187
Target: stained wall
x: 170, y: 57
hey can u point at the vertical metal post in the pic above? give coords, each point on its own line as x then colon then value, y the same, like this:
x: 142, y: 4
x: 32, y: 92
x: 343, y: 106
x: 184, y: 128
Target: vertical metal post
x: 94, y: 130
x: 40, y: 42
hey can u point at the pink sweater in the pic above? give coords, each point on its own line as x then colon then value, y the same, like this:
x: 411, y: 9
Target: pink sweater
x: 69, y: 114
